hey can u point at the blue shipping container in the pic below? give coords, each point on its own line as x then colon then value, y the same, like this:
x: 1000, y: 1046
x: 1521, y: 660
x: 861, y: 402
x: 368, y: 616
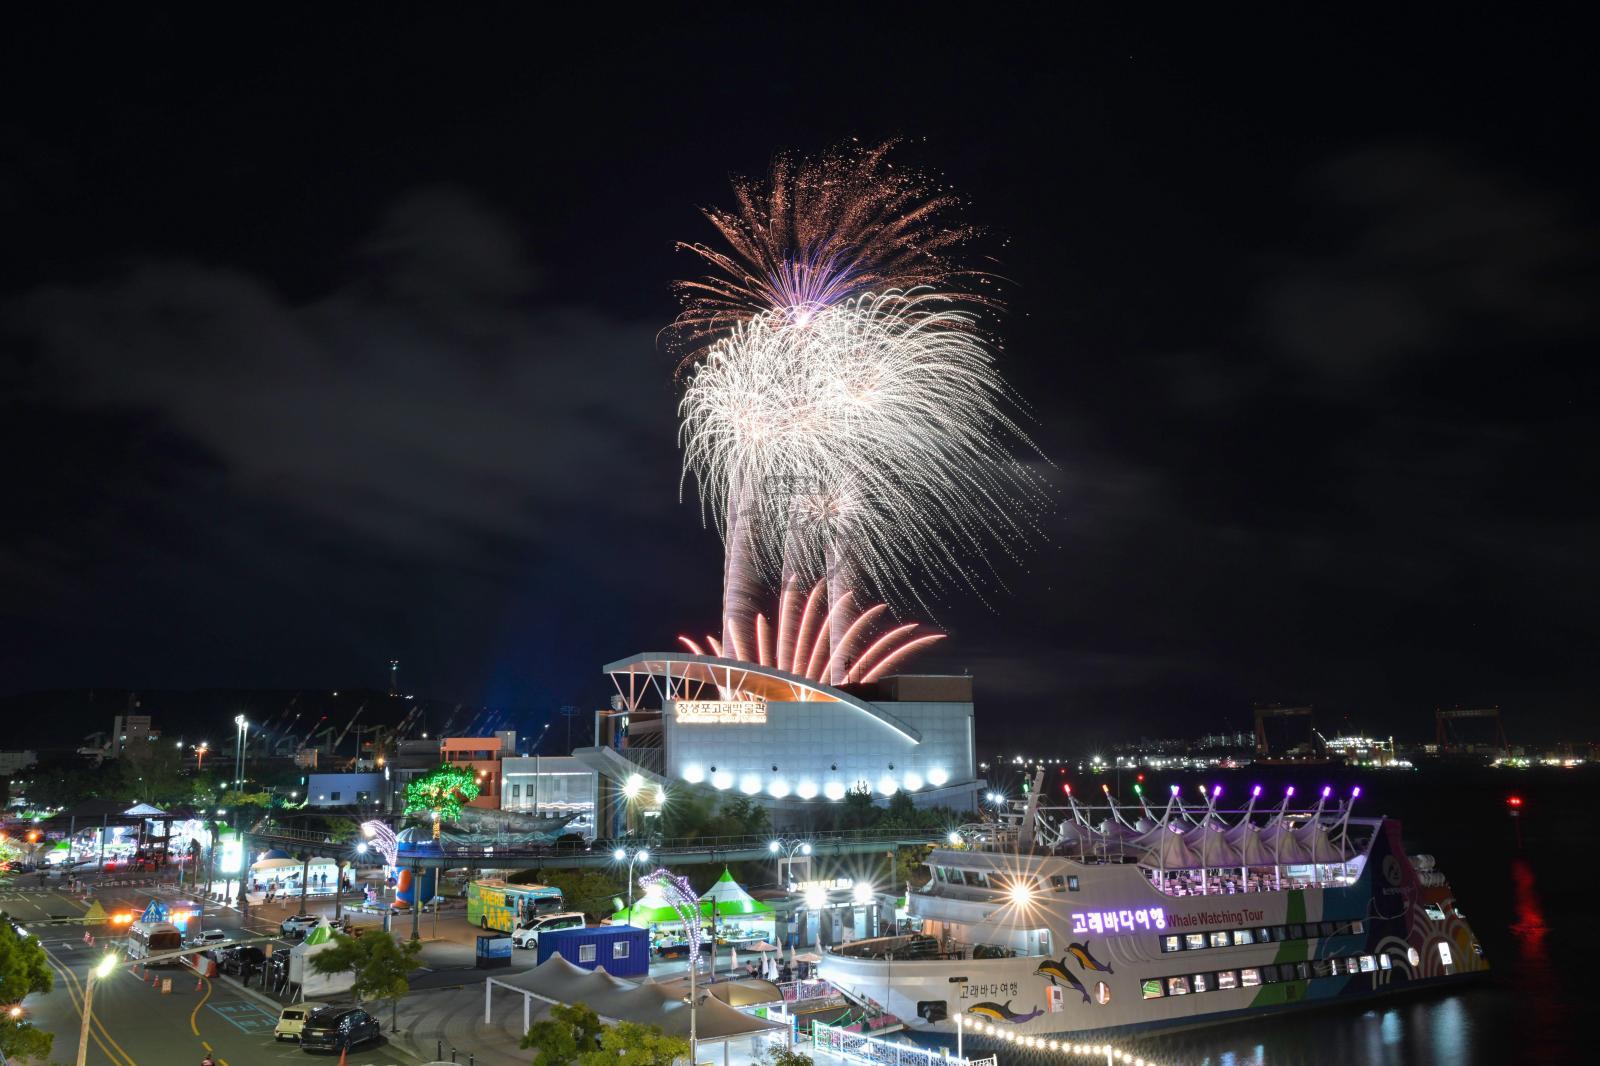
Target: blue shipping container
x: 624, y: 950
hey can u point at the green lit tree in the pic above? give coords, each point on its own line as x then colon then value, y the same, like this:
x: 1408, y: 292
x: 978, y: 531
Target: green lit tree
x: 632, y: 1044
x: 443, y: 792
x: 569, y: 1031
x: 23, y: 971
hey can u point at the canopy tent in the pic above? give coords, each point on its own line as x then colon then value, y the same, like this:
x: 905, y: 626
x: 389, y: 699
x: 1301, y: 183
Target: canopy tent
x: 648, y: 1003
x: 285, y: 863
x: 1252, y: 852
x: 1171, y: 853
x: 1319, y: 846
x: 1284, y: 846
x: 1211, y: 847
x: 732, y: 900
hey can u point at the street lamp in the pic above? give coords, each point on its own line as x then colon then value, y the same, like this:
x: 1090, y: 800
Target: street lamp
x: 621, y: 855
x: 102, y: 969
x: 238, y: 759
x: 784, y: 851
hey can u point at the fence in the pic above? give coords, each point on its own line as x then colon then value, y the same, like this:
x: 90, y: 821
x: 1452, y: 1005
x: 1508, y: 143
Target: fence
x: 876, y: 1051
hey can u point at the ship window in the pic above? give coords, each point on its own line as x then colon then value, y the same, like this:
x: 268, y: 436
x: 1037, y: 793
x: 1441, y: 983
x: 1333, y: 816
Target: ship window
x: 1433, y: 910
x: 1058, y: 883
x: 1385, y: 962
x: 1194, y: 941
x: 1297, y: 932
x: 1358, y: 927
x: 1302, y: 971
x: 1368, y: 964
x: 1151, y: 987
x: 1269, y: 975
x: 1102, y: 993
x: 1172, y: 943
x: 1444, y: 954
x: 1227, y: 979
x: 1219, y: 940
x: 1177, y: 986
x: 1243, y: 936
x: 1321, y: 968
x: 1352, y: 965
x: 1413, y: 957
x: 1328, y: 929
x: 1200, y: 981
x: 1264, y: 936
x: 1250, y: 978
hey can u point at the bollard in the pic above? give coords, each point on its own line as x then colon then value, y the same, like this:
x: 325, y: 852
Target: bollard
x: 452, y: 1054
x: 198, y: 982
x: 440, y: 1048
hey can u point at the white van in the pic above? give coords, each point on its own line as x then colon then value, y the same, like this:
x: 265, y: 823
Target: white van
x: 293, y: 1019
x: 527, y: 936
x: 154, y: 938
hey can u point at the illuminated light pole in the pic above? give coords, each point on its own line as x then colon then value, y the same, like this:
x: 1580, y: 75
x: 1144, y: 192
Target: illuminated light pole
x: 680, y: 896
x: 621, y: 855
x: 238, y: 759
x: 101, y: 970
x: 784, y: 853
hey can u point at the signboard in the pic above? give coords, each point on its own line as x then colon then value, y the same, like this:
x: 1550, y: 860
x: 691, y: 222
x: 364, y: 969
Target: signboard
x: 720, y: 712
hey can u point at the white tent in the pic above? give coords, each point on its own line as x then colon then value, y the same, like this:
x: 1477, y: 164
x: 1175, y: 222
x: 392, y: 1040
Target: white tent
x: 1285, y: 847
x: 1320, y: 848
x: 1171, y: 853
x: 1252, y: 851
x: 1211, y: 847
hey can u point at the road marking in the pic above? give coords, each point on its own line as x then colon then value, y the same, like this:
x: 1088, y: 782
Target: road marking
x: 206, y: 1046
x: 193, y: 1025
x: 96, y: 1028
x: 246, y: 1017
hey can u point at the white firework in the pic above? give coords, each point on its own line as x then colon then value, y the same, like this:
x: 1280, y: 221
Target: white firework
x: 868, y: 442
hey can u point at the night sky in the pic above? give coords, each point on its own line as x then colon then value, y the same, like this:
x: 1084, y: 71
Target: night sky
x: 331, y: 340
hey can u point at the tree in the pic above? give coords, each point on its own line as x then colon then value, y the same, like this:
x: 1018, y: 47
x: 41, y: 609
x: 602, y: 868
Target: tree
x: 593, y: 892
x: 632, y: 1044
x: 570, y: 1030
x: 443, y: 792
x: 786, y: 1056
x: 379, y: 962
x: 23, y: 971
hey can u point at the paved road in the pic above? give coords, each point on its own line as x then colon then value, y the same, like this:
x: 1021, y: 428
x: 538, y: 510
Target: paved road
x: 135, y: 1023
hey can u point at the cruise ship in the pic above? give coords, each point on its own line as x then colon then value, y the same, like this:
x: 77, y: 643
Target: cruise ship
x: 1084, y: 921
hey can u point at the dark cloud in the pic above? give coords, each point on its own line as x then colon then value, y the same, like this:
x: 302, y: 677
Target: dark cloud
x: 1439, y: 249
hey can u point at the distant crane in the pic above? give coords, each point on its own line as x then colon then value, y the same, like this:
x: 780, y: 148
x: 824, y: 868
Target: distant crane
x: 1448, y: 736
x: 346, y: 731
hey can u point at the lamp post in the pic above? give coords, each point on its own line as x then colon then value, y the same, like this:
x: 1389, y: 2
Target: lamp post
x: 102, y: 969
x: 680, y: 897
x: 622, y: 855
x: 238, y: 758
x: 785, y: 852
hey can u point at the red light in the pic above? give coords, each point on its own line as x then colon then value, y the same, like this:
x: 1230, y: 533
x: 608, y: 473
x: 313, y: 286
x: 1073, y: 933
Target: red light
x: 1141, y: 777
x: 1513, y: 801
x: 1067, y: 788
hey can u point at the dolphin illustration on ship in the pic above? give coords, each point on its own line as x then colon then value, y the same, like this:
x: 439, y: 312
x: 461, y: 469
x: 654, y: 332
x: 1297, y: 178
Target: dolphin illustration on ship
x: 1085, y: 959
x: 1002, y: 1012
x: 1057, y: 972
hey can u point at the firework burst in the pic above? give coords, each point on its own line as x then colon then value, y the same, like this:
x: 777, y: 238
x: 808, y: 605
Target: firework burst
x: 819, y: 231
x: 867, y: 444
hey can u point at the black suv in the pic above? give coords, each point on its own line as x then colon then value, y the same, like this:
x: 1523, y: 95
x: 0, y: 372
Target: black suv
x: 234, y: 960
x: 336, y: 1028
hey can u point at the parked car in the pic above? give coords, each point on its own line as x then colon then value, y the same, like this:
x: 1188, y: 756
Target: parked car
x: 298, y: 925
x: 208, y: 938
x: 292, y: 1019
x: 234, y: 960
x: 338, y: 1028
x: 527, y: 936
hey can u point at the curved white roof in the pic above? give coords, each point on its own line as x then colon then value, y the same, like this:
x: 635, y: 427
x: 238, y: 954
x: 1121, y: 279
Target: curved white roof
x: 683, y: 675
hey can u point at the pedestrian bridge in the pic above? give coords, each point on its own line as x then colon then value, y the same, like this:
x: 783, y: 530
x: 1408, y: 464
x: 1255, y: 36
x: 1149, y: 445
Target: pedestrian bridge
x: 512, y: 854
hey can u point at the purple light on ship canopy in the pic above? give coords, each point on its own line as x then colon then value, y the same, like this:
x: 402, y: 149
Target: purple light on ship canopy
x: 1217, y: 791
x: 1355, y: 792
x: 1255, y: 791
x: 1290, y: 792
x: 1326, y: 791
x: 1174, y: 790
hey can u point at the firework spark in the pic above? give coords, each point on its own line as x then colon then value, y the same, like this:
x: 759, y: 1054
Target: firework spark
x: 819, y: 231
x: 868, y: 443
x: 802, y: 643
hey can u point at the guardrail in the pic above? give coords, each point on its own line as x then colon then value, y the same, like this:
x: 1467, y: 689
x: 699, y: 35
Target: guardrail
x: 875, y: 1051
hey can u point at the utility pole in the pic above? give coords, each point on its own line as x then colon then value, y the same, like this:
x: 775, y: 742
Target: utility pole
x: 394, y: 679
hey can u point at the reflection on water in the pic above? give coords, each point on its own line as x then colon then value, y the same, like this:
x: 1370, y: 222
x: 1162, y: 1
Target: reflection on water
x: 1526, y: 1011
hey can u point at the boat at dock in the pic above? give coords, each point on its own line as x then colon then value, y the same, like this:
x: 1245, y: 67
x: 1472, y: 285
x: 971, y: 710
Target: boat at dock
x: 1076, y: 922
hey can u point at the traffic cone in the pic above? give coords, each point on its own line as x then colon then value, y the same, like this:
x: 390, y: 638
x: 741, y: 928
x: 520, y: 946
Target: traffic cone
x: 342, y: 1053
